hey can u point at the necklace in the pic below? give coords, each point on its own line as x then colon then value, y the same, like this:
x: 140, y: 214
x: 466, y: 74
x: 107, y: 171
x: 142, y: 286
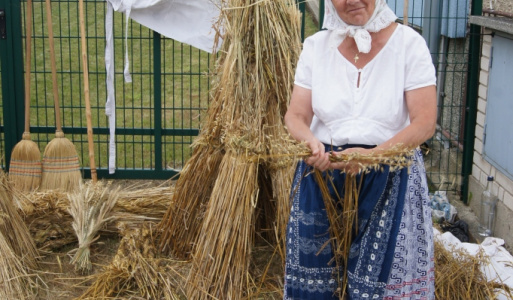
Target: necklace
x: 356, y: 57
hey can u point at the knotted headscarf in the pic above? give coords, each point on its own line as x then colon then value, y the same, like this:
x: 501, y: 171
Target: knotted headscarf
x: 380, y: 19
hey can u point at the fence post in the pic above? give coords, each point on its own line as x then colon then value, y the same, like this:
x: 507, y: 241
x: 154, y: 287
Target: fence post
x: 471, y: 101
x: 11, y: 57
x: 157, y: 83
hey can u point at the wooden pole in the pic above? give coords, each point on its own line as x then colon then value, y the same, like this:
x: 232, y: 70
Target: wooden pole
x: 86, y: 91
x: 405, y: 13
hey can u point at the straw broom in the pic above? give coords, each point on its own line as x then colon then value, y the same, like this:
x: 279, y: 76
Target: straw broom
x: 25, y: 163
x: 60, y: 159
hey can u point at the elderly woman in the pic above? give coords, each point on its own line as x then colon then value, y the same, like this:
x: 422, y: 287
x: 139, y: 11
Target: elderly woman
x: 364, y: 84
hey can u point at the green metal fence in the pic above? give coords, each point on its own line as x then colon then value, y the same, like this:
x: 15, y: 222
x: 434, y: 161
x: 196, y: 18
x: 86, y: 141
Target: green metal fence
x: 159, y: 113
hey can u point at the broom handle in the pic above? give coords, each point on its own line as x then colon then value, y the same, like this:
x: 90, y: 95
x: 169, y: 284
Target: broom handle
x: 54, y: 67
x: 28, y: 45
x: 86, y: 90
x: 405, y: 13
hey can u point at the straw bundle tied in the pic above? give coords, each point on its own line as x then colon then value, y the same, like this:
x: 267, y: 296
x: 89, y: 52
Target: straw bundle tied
x: 25, y: 162
x: 136, y: 272
x: 181, y: 224
x: 13, y: 229
x: 245, y: 132
x: 60, y: 159
x: 90, y: 207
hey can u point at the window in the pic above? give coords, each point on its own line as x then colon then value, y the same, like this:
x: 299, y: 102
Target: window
x: 498, y: 135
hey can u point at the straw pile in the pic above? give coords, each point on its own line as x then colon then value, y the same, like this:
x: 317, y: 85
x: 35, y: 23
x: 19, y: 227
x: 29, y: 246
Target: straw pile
x: 12, y: 227
x: 236, y: 187
x: 18, y: 252
x: 47, y: 216
x: 458, y: 276
x: 15, y: 281
x: 135, y: 272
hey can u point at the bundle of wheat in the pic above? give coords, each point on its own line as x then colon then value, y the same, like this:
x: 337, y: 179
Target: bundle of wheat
x: 90, y: 207
x: 13, y: 228
x: 135, y: 272
x: 243, y: 188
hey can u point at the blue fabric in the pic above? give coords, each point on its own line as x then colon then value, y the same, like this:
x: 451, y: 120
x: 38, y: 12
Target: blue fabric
x: 309, y: 274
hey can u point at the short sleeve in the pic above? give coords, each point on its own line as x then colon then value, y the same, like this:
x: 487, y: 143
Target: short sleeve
x: 420, y: 71
x: 303, y: 76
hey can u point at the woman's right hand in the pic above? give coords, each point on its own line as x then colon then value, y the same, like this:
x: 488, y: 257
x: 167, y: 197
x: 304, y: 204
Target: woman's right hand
x: 319, y: 159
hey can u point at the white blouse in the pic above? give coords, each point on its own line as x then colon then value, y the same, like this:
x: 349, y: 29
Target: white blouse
x: 376, y: 110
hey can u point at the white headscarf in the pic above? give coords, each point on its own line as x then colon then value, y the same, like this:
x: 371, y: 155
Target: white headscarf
x: 380, y: 19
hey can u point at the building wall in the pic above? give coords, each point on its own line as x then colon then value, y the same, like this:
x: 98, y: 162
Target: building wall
x: 499, y: 5
x: 502, y: 186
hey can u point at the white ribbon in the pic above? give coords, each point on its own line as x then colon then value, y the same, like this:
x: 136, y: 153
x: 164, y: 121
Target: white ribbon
x: 110, y: 106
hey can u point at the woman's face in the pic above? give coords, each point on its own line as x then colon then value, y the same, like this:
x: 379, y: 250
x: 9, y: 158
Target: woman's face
x: 354, y: 12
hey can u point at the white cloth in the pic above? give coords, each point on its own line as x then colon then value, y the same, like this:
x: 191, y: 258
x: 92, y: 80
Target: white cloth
x: 187, y: 21
x: 375, y: 111
x: 339, y: 30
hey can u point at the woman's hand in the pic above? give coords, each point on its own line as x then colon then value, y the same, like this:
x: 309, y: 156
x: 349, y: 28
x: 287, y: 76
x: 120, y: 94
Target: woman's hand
x: 350, y: 167
x: 319, y: 159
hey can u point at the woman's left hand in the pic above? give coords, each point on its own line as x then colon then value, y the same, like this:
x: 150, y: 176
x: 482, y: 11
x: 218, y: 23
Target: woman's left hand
x: 350, y: 167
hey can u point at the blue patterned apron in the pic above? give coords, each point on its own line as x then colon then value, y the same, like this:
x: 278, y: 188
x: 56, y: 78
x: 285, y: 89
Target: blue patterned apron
x: 376, y: 268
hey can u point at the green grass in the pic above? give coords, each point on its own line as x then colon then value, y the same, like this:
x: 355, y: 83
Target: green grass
x: 184, y: 87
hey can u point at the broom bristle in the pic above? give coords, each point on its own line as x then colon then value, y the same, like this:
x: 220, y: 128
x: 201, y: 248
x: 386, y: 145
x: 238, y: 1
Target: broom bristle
x: 25, y: 165
x: 61, y: 168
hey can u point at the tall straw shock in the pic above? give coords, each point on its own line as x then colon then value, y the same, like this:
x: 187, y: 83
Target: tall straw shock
x: 60, y: 159
x: 25, y: 163
x: 233, y: 192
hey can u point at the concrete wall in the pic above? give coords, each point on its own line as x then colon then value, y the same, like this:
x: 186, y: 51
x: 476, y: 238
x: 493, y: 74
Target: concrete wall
x: 499, y: 5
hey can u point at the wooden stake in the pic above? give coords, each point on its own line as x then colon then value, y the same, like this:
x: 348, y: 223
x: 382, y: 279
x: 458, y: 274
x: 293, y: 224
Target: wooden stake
x: 405, y: 13
x: 86, y: 91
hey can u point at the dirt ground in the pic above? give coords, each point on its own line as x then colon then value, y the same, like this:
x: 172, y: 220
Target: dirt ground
x: 59, y: 278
